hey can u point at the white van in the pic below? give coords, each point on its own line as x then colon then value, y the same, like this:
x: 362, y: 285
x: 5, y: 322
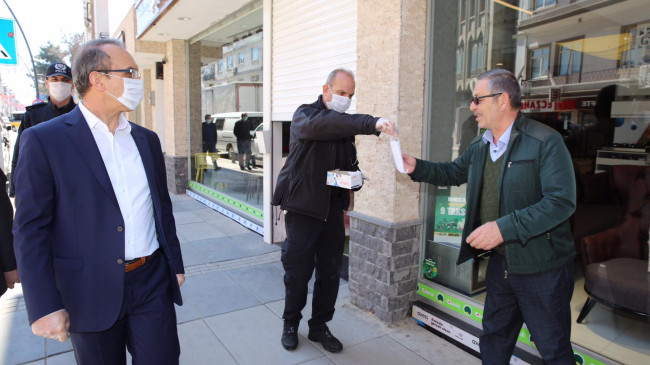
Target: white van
x: 226, y: 140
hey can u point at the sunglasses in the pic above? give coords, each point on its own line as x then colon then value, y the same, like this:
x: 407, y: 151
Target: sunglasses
x: 477, y: 99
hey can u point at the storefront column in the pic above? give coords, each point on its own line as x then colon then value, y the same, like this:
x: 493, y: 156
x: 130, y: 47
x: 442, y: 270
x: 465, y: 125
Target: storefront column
x: 145, y: 107
x: 177, y: 103
x: 386, y: 222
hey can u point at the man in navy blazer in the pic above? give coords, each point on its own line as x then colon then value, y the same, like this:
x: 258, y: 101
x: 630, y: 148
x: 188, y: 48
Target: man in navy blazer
x: 95, y: 237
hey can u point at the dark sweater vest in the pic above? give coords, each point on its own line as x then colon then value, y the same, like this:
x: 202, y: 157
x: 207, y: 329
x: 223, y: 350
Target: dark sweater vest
x: 489, y: 210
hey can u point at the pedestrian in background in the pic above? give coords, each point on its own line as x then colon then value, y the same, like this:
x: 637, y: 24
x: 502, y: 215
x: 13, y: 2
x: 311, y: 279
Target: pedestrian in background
x: 322, y: 139
x: 209, y: 134
x: 209, y: 137
x: 242, y: 131
x: 95, y: 237
x: 520, y: 194
x: 7, y: 257
x: 58, y: 83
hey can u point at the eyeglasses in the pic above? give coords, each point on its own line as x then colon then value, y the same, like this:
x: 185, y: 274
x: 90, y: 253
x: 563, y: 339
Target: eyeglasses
x: 477, y: 99
x: 135, y: 74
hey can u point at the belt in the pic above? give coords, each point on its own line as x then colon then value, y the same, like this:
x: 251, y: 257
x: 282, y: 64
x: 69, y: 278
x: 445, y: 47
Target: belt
x: 136, y: 263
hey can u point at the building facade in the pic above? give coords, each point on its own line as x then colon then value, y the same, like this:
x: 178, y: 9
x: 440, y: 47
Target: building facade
x: 416, y: 63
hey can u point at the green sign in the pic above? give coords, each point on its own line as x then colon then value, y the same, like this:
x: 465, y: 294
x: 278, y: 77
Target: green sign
x: 450, y: 217
x: 445, y: 300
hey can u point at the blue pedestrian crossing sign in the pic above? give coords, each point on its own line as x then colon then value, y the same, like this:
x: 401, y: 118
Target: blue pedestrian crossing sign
x: 7, y: 43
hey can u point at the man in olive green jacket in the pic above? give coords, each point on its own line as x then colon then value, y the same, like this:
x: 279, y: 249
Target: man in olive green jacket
x: 520, y: 195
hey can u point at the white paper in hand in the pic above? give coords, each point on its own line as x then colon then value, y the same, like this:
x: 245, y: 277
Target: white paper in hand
x: 397, y: 155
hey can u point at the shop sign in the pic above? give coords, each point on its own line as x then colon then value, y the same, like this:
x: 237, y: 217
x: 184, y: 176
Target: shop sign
x: 543, y: 105
x: 450, y: 217
x: 586, y: 104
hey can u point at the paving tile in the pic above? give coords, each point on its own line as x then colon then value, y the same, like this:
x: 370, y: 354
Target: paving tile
x: 179, y: 197
x: 193, y: 255
x: 231, y: 248
x: 253, y: 337
x: 66, y: 358
x: 186, y: 312
x: 350, y: 325
x: 429, y: 346
x: 265, y: 282
x: 187, y: 217
x: 53, y: 347
x: 382, y: 350
x: 200, y: 231
x: 215, y: 293
x: 320, y: 361
x: 200, y: 346
x: 17, y: 342
x: 187, y: 205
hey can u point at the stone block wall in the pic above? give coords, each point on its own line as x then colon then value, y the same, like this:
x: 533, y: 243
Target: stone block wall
x: 176, y: 168
x: 384, y: 265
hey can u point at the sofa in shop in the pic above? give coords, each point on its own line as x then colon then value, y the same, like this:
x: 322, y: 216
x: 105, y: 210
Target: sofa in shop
x: 599, y: 205
x: 615, y: 261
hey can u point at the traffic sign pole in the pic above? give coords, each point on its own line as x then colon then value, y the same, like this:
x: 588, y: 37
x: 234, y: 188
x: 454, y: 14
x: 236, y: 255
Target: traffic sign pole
x: 28, y: 49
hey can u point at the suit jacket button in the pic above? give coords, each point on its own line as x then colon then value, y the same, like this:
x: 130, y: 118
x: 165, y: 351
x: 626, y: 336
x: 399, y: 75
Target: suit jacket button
x: 120, y: 229
x: 120, y: 261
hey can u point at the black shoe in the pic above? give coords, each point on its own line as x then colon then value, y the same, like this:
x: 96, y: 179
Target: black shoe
x: 289, y: 337
x: 323, y: 335
x: 241, y: 168
x: 249, y: 168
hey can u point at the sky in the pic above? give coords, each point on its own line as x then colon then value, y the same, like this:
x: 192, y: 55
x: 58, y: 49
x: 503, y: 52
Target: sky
x: 43, y: 21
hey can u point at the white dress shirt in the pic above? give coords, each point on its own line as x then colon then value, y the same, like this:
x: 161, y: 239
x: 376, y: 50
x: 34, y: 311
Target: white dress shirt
x: 129, y: 180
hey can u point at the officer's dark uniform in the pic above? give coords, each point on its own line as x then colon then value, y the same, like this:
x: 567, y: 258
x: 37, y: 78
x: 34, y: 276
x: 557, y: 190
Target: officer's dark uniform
x: 35, y: 114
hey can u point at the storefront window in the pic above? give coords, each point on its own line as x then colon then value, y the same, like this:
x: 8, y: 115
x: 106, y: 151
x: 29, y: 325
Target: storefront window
x: 582, y: 74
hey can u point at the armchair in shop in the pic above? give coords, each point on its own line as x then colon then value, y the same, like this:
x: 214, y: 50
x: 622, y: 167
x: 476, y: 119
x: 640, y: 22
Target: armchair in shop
x: 615, y: 261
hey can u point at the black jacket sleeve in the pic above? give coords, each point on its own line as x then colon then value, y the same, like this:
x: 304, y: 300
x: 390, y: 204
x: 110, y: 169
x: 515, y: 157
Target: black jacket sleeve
x: 315, y: 124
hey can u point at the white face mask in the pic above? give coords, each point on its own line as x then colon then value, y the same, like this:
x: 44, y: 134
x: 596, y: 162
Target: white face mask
x: 339, y: 103
x: 132, y: 94
x: 60, y: 90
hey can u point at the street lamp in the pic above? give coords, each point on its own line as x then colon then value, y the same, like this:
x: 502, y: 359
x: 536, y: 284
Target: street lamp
x: 28, y: 49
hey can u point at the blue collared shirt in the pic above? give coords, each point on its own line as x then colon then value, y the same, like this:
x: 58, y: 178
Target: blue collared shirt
x: 497, y: 150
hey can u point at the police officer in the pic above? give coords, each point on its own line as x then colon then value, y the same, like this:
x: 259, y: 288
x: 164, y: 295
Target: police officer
x: 58, y: 82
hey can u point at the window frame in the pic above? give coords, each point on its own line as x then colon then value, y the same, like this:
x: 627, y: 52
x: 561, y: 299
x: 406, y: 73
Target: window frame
x: 529, y: 62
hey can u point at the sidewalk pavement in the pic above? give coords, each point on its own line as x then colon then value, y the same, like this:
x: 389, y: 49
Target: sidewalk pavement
x: 233, y: 302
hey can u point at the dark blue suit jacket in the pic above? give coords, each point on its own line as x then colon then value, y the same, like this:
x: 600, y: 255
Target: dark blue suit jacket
x: 68, y: 229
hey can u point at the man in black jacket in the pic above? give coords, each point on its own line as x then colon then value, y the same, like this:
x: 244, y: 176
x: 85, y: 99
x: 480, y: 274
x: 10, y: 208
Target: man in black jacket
x: 59, y: 84
x: 243, y: 133
x: 322, y: 139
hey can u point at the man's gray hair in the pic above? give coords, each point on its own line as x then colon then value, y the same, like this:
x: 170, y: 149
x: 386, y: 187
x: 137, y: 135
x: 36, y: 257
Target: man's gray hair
x: 335, y: 72
x: 503, y: 81
x: 91, y: 57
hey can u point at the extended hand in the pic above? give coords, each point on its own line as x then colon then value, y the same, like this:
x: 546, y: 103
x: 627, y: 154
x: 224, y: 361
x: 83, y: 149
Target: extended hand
x: 181, y: 279
x: 409, y: 162
x: 54, y: 325
x: 11, y: 277
x: 386, y: 126
x: 486, y: 237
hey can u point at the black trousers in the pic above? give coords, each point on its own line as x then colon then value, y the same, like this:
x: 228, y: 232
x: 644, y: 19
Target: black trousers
x: 312, y: 244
